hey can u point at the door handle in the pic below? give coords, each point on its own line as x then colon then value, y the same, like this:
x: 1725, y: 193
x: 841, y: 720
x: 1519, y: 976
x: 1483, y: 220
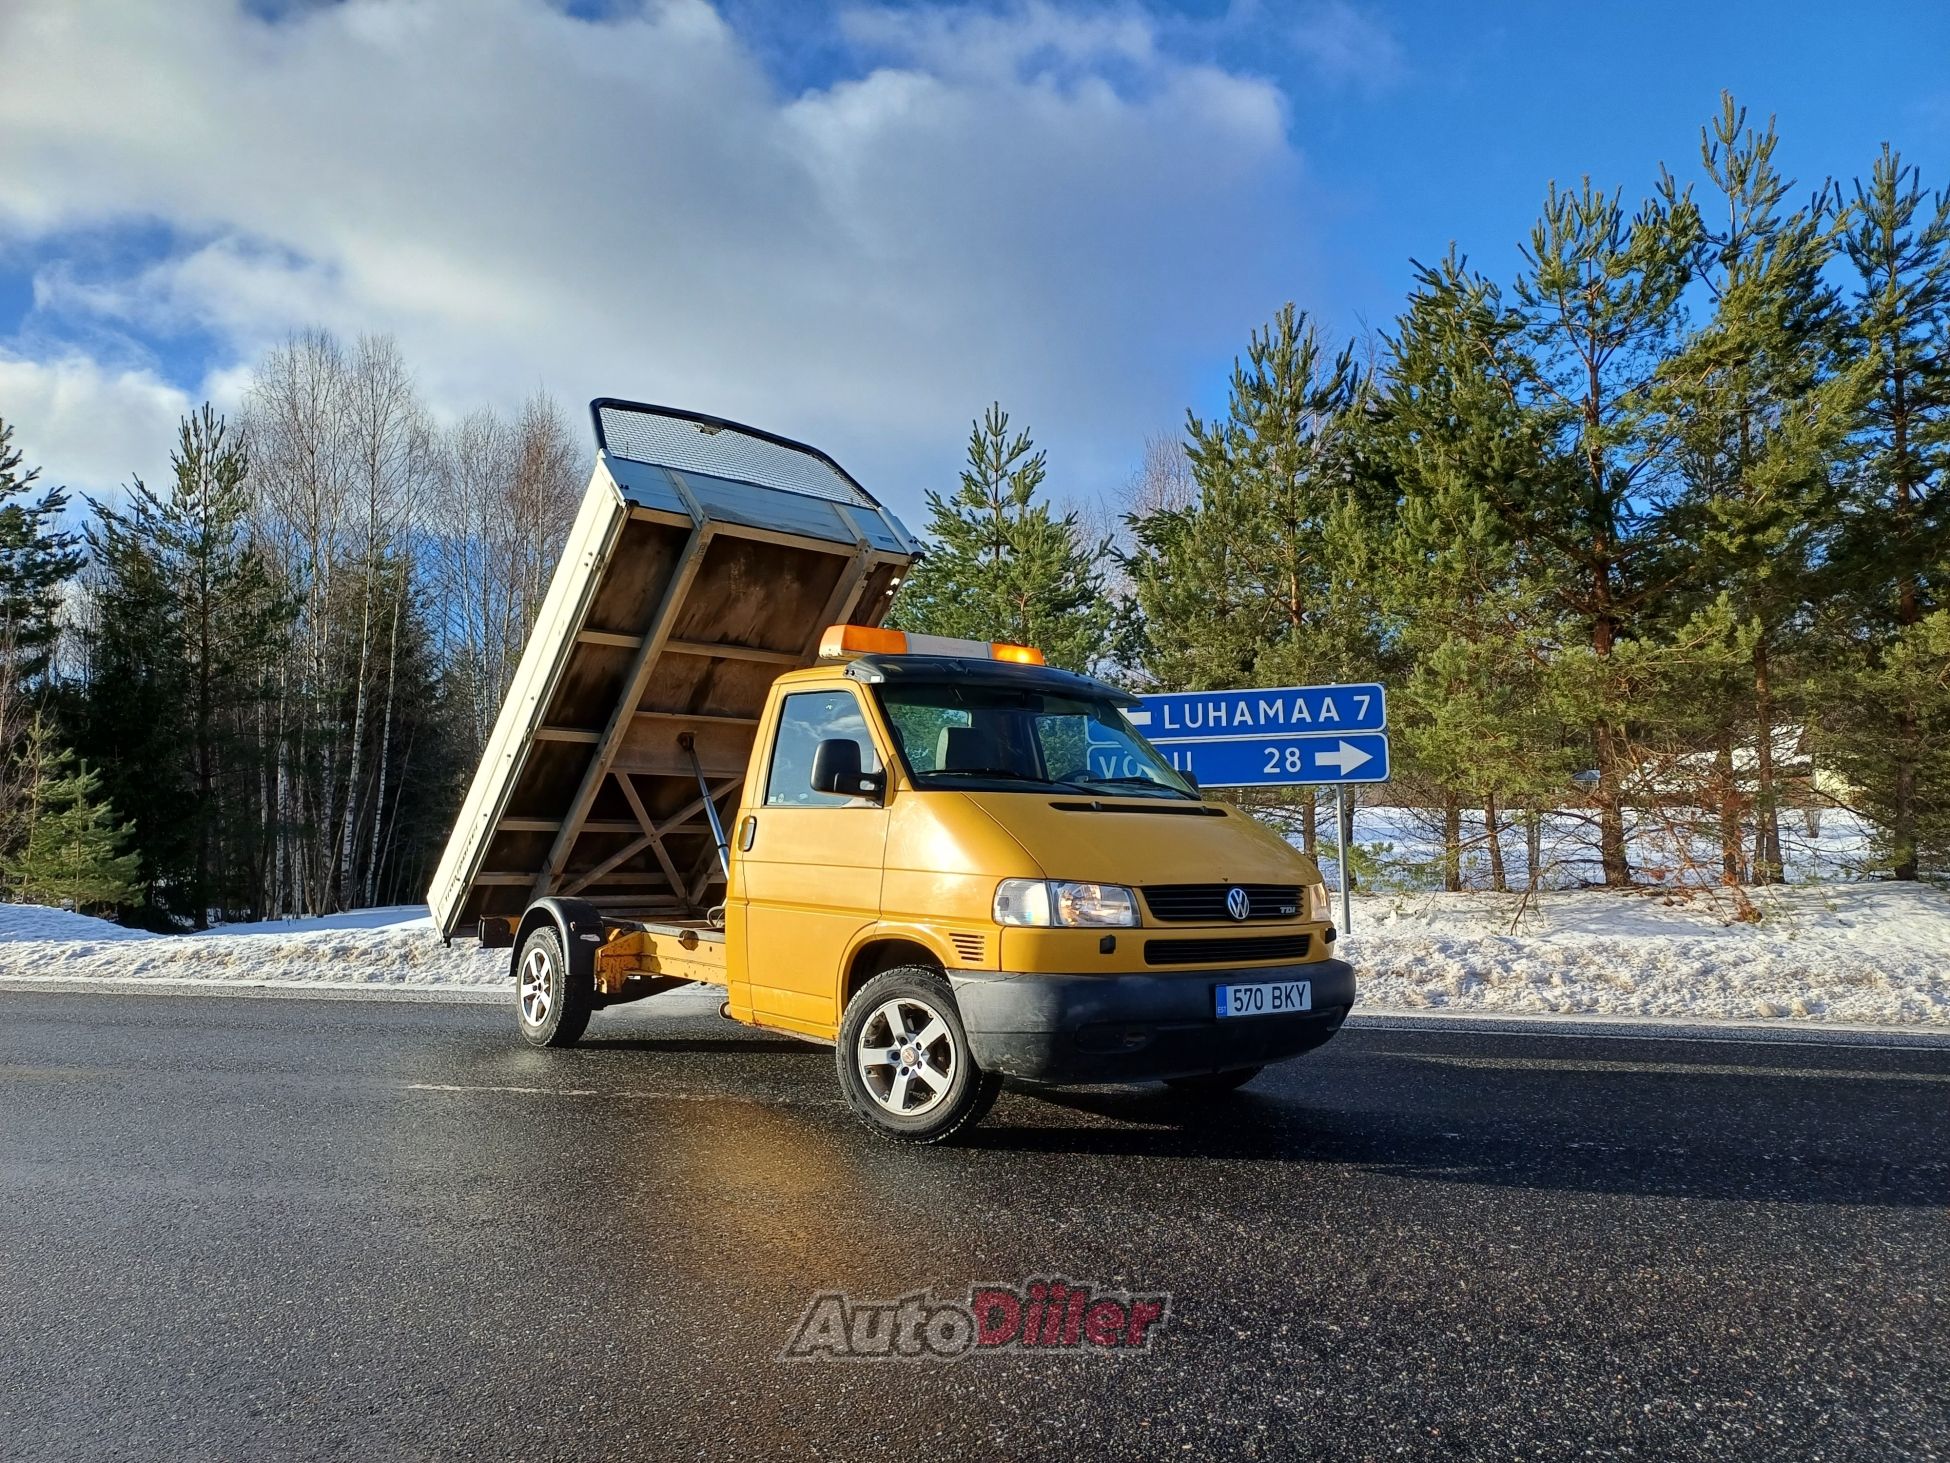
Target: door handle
x: 747, y: 831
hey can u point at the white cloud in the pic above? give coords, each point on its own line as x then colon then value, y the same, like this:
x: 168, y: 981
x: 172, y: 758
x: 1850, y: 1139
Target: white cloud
x: 88, y: 427
x: 1348, y: 44
x: 1003, y: 44
x: 1021, y: 203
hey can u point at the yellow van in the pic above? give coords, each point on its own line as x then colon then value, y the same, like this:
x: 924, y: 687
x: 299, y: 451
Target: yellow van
x: 896, y: 844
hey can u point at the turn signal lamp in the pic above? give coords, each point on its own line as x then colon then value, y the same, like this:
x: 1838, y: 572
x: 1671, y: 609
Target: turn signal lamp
x: 843, y: 641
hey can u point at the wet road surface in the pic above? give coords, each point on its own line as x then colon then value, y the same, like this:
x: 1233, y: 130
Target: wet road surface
x: 257, y: 1228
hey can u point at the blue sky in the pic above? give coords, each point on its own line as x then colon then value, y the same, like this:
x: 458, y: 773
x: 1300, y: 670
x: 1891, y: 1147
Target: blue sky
x: 854, y: 223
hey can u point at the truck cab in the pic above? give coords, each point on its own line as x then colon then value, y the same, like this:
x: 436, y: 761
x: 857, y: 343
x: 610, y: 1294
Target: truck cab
x: 950, y: 861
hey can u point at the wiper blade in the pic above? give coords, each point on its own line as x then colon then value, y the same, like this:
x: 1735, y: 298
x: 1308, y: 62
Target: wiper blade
x: 1008, y: 774
x: 1136, y: 782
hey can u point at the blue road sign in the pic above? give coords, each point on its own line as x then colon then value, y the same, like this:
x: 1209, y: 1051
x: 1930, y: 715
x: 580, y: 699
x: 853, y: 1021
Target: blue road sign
x: 1179, y: 716
x: 1278, y: 737
x: 1283, y: 761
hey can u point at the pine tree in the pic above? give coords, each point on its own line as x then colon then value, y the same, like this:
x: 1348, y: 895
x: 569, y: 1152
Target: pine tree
x: 1239, y: 586
x: 1003, y: 564
x: 1896, y: 553
x: 1275, y: 472
x: 1761, y: 408
x: 188, y: 619
x: 1262, y: 579
x: 37, y: 556
x: 1597, y: 310
x: 1201, y: 625
x: 1890, y: 714
x: 1473, y: 618
x: 73, y: 854
x: 1899, y: 243
x: 134, y: 720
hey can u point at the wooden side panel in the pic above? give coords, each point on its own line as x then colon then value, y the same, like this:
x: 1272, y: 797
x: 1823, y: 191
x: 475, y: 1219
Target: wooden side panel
x: 598, y: 525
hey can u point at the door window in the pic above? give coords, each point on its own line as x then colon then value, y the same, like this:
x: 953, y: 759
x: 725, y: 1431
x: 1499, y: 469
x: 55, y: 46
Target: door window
x: 805, y: 720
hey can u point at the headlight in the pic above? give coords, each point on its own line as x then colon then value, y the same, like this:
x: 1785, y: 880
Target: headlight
x: 1046, y: 902
x: 1319, y: 903
x: 1094, y: 904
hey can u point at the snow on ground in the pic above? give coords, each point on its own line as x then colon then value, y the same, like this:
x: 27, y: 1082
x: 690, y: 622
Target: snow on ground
x: 390, y: 947
x: 37, y: 924
x: 1873, y: 953
x: 1855, y: 953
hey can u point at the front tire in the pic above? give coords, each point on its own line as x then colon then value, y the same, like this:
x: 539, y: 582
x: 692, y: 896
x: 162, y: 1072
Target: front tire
x: 904, y: 1060
x: 552, y: 1006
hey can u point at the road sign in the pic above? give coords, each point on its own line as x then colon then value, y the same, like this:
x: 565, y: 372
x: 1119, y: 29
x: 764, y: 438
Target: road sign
x: 1283, y: 761
x: 1177, y: 716
x: 1277, y: 737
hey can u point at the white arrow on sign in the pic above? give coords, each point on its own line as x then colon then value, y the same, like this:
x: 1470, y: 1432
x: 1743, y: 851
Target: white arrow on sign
x: 1345, y: 757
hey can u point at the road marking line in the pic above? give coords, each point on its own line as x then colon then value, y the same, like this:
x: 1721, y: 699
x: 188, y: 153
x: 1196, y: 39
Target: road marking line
x: 643, y: 1093
x: 1689, y: 1069
x: 532, y: 1091
x: 1739, y: 1031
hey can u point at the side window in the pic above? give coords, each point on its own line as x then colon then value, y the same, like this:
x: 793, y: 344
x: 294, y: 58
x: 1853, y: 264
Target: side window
x: 805, y: 720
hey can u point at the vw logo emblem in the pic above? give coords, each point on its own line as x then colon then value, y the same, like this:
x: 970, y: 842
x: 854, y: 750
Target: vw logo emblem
x: 1237, y: 904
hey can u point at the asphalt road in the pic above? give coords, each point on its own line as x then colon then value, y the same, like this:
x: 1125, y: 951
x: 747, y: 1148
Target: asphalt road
x: 255, y: 1228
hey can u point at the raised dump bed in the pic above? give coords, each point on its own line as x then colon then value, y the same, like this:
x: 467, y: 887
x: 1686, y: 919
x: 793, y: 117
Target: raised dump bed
x: 706, y: 559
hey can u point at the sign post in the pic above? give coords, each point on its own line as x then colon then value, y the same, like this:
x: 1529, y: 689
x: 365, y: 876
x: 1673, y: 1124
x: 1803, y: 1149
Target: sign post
x: 1343, y: 836
x: 1281, y: 736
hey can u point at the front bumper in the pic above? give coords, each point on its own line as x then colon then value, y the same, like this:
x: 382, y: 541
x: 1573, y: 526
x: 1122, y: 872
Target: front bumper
x: 1140, y: 1027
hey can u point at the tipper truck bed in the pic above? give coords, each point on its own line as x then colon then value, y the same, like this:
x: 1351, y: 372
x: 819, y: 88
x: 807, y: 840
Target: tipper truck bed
x: 944, y: 857
x: 706, y: 558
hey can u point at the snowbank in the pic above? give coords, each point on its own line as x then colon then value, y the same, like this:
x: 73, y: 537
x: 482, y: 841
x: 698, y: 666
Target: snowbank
x: 388, y: 947
x: 1875, y: 953
x: 1867, y: 953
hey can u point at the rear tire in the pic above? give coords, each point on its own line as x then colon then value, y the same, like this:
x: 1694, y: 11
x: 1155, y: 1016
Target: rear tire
x: 1213, y: 1084
x: 552, y: 1007
x: 904, y: 1059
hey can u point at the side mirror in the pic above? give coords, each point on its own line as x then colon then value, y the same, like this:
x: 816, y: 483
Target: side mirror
x: 836, y: 769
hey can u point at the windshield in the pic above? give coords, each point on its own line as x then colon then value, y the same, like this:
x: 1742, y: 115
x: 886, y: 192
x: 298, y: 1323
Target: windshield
x: 998, y: 739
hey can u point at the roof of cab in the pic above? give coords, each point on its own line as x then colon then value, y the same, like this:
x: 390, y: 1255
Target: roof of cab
x: 1013, y: 675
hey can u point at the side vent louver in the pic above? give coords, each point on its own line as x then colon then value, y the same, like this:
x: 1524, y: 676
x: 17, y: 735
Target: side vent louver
x: 973, y: 949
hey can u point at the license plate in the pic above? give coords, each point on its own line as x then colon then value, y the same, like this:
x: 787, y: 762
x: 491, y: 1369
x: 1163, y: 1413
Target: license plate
x: 1276, y: 998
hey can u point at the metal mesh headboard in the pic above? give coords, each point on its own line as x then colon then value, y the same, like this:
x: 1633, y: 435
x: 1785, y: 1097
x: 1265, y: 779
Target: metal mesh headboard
x: 691, y: 442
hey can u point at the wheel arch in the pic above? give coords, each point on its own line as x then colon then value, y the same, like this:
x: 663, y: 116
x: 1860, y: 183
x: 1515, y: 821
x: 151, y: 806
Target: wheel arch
x: 574, y: 919
x: 883, y: 952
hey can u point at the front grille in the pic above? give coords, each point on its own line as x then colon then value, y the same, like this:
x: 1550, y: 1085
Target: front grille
x: 1226, y: 952
x: 1206, y: 903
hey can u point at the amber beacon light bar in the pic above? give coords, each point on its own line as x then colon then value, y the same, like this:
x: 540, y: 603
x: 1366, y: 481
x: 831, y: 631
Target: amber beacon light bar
x: 843, y: 641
